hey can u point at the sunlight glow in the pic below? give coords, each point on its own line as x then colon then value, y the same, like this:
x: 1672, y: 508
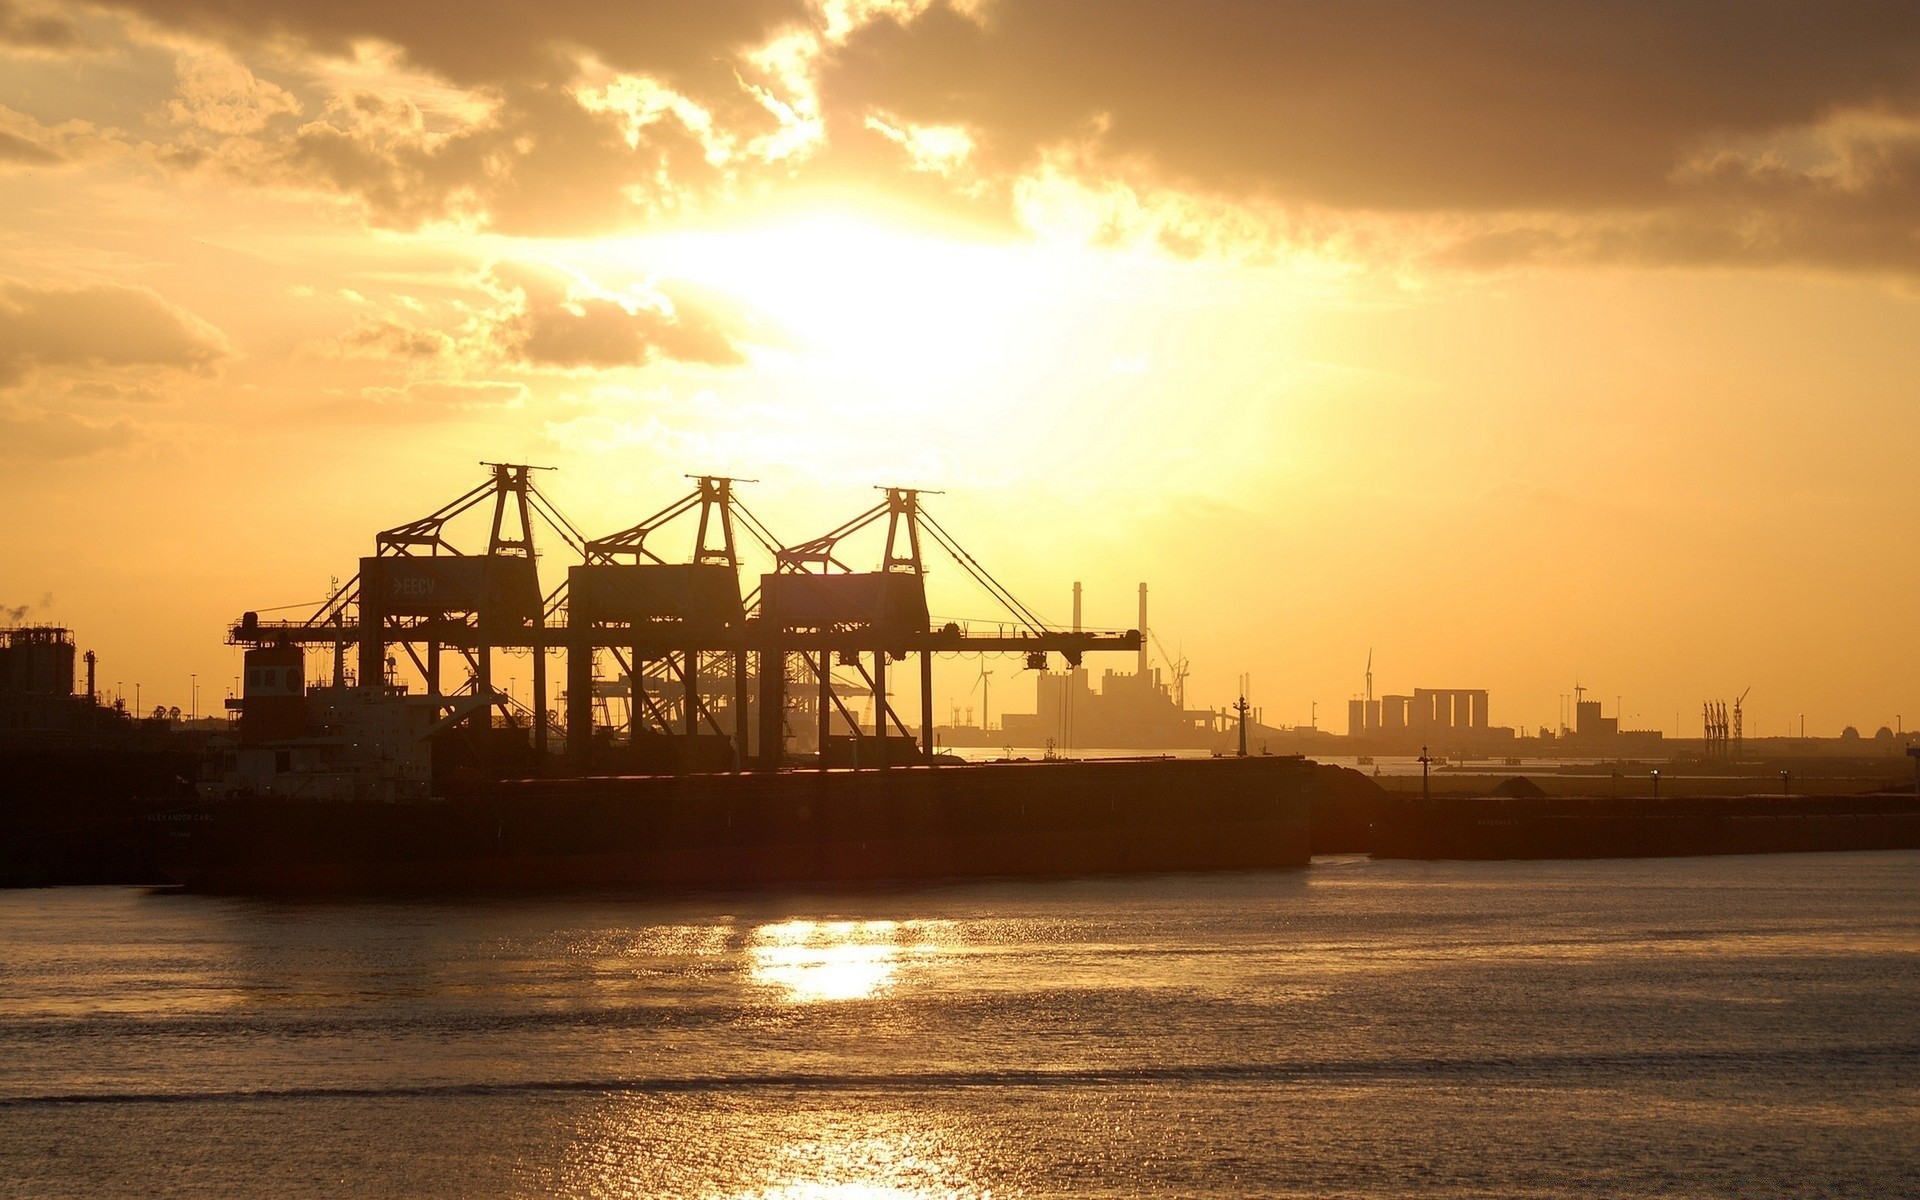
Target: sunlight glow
x: 855, y: 295
x: 814, y: 961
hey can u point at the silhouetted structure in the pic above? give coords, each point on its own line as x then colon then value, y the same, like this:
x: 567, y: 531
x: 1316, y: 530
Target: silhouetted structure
x: 1439, y: 715
x: 707, y: 671
x: 343, y: 787
x: 1142, y: 710
x: 38, y: 704
x: 36, y: 680
x: 77, y: 777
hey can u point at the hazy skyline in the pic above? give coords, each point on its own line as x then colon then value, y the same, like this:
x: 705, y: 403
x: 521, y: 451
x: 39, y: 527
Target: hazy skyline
x: 1521, y: 344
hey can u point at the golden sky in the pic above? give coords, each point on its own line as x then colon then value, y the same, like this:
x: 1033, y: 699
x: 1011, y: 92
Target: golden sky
x: 1520, y: 343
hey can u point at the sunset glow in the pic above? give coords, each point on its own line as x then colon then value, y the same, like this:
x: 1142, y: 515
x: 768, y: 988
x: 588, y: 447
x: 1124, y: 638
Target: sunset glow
x: 1516, y: 385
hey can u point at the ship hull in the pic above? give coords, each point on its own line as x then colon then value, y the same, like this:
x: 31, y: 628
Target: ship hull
x: 764, y: 830
x: 1579, y: 827
x: 76, y: 815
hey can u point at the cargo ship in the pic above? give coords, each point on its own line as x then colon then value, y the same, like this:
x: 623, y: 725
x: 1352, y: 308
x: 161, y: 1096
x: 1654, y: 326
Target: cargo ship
x: 1543, y: 827
x: 721, y: 754
x: 353, y: 804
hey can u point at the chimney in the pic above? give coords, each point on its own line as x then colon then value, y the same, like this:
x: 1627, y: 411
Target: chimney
x: 1076, y: 606
x: 1143, y: 633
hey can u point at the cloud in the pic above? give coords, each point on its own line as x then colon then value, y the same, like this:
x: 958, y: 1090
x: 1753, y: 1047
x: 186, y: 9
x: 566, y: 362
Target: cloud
x: 419, y: 402
x: 1498, y: 132
x: 1848, y: 198
x: 1382, y: 104
x: 16, y: 149
x: 113, y: 393
x: 387, y: 338
x: 220, y: 95
x: 453, y: 395
x: 535, y: 131
x: 552, y: 323
x: 1480, y: 134
x: 97, y: 326
x: 28, y: 436
x: 536, y: 162
x: 26, y: 141
x: 496, y: 42
x: 33, y: 28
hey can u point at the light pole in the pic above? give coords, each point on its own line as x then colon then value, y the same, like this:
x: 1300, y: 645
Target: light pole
x: 193, y: 700
x: 1656, y: 783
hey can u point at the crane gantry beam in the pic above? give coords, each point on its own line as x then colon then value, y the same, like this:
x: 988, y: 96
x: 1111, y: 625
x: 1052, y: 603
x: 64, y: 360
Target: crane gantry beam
x: 422, y: 593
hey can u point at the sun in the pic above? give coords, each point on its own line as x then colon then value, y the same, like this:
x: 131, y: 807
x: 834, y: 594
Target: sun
x: 852, y: 294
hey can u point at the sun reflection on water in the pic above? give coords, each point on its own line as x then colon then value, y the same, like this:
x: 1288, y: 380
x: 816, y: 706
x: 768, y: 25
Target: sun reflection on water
x: 739, y: 1147
x: 908, y: 1163
x: 815, y: 961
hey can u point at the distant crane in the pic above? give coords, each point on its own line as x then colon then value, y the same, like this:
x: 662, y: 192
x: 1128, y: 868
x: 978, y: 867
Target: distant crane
x: 1736, y: 719
x: 1177, y: 667
x: 1714, y: 714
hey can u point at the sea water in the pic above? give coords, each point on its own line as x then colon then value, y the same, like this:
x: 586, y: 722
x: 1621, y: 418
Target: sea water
x: 1683, y: 1027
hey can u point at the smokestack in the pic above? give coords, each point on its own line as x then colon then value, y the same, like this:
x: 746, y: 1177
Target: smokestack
x: 1143, y: 633
x: 1076, y: 606
x: 93, y: 697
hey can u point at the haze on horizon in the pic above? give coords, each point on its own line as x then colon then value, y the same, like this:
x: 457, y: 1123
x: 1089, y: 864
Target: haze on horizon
x: 1519, y: 344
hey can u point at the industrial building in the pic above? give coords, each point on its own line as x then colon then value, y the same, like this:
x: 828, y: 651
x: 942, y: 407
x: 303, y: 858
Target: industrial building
x: 1428, y: 716
x: 1140, y: 709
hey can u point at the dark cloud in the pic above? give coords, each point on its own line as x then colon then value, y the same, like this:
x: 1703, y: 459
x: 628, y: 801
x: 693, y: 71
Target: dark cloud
x: 35, y: 30
x: 478, y: 43
x: 551, y: 327
x: 1571, y: 129
x: 544, y: 166
x: 1386, y: 104
x: 571, y: 171
x: 389, y: 164
x: 1712, y: 132
x: 1857, y: 209
x: 384, y: 337
x: 98, y: 326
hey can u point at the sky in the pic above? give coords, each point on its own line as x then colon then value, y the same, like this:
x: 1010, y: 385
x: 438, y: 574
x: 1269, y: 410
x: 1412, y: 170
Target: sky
x: 1516, y: 345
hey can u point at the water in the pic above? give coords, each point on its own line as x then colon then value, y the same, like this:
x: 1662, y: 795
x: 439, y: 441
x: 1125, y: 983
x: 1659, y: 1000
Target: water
x: 1737, y: 1026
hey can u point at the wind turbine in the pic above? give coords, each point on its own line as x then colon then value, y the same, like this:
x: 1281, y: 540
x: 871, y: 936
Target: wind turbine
x: 981, y: 685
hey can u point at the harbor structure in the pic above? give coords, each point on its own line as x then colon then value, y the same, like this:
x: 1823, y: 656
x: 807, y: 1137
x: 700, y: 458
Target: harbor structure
x: 711, y: 674
x: 362, y: 783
